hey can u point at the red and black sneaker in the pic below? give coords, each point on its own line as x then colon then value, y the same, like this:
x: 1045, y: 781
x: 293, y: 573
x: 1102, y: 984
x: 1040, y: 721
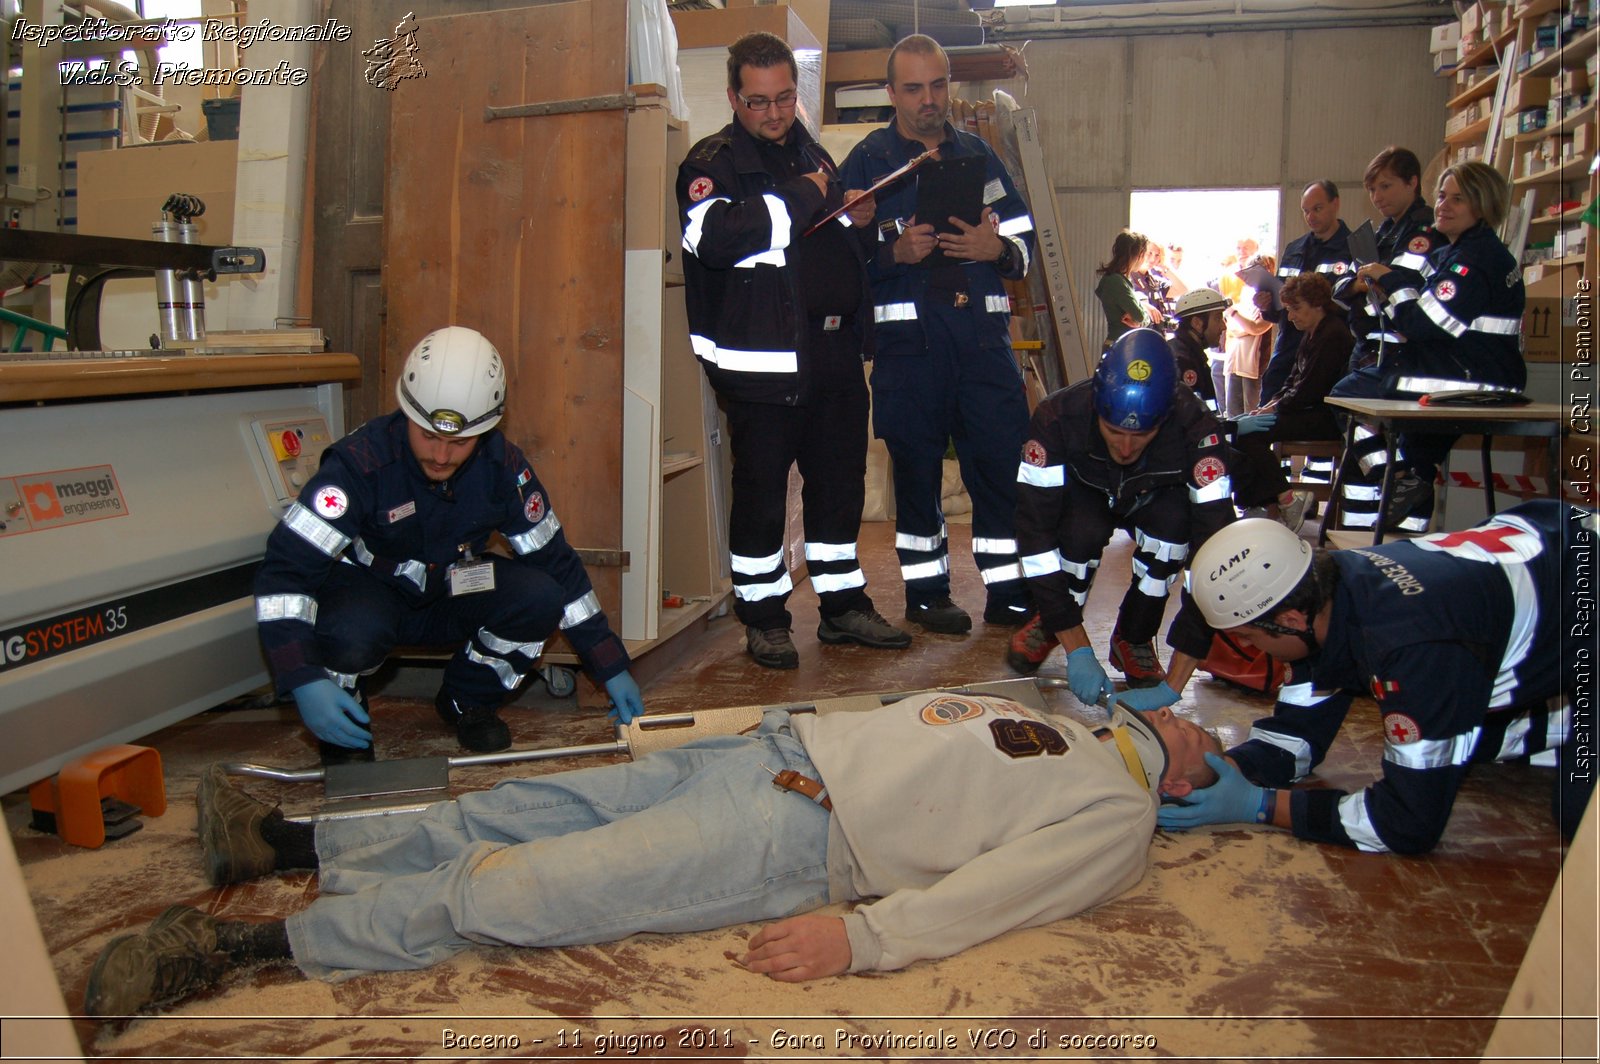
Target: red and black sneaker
x: 1137, y: 661
x: 1030, y: 645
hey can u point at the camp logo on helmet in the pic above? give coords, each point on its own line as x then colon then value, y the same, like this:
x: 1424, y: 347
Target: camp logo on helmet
x: 1222, y: 570
x: 447, y: 422
x: 1138, y: 370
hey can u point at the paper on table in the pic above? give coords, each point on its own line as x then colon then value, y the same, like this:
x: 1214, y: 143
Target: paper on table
x: 882, y: 182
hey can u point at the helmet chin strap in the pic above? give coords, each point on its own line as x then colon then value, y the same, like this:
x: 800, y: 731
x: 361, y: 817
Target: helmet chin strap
x: 1308, y: 636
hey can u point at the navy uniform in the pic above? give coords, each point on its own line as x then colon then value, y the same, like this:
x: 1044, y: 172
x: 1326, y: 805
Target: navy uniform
x: 1071, y: 496
x: 1464, y: 666
x: 945, y: 370
x: 362, y: 563
x: 1306, y: 254
x: 1460, y: 311
x: 780, y: 322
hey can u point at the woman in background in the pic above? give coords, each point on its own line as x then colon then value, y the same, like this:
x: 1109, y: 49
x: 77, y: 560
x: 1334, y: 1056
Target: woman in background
x: 1123, y: 307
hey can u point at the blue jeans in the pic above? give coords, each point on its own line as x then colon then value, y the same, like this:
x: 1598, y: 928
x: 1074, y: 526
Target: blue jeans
x: 688, y: 839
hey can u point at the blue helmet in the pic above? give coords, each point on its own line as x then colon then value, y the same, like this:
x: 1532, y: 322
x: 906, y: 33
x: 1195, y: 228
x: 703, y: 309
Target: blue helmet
x: 1136, y: 382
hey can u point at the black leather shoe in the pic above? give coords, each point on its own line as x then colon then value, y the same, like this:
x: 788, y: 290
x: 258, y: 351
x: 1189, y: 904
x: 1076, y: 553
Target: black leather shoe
x: 772, y: 648
x: 478, y: 728
x: 867, y: 627
x: 941, y: 615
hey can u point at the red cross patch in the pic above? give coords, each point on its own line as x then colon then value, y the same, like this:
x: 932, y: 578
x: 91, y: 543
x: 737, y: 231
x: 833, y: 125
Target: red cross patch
x: 1419, y: 244
x: 1209, y: 469
x: 1339, y: 267
x: 700, y: 188
x: 1446, y: 290
x: 1189, y: 377
x: 1033, y: 453
x: 533, y: 508
x: 1399, y: 729
x: 332, y: 502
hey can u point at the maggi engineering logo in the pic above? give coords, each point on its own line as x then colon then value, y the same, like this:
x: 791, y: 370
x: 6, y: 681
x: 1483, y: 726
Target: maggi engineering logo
x: 67, y: 497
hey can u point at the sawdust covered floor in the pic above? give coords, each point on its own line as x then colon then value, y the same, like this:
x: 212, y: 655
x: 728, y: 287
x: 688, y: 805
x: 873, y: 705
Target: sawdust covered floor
x: 1236, y: 944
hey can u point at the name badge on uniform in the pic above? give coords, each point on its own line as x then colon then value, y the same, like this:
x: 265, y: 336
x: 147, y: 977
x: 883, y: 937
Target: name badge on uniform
x: 830, y: 323
x: 468, y: 577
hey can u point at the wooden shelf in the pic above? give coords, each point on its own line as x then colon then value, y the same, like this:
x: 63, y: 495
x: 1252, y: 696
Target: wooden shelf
x: 1468, y: 134
x: 1575, y: 119
x: 673, y: 464
x: 1571, y: 54
x: 1558, y: 219
x: 1484, y: 86
x: 1535, y: 9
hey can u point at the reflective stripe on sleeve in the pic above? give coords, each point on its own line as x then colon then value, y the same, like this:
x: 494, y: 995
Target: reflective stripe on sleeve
x: 1220, y: 488
x: 1022, y: 223
x: 1440, y: 316
x: 1496, y: 326
x: 696, y: 215
x: 537, y: 537
x: 1402, y: 295
x: 736, y: 361
x: 286, y: 608
x: 781, y: 226
x: 580, y: 610
x: 1041, y: 477
x: 315, y: 531
x: 762, y: 258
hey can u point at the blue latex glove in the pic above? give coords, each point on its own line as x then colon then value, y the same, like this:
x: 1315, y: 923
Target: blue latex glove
x: 1245, y: 424
x: 1144, y: 699
x: 626, y: 701
x: 1231, y: 800
x: 332, y: 714
x: 1086, y: 678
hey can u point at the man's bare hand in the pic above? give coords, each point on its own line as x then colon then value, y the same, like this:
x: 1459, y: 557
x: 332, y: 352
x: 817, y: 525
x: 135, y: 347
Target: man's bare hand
x: 978, y: 243
x: 915, y: 244
x: 861, y: 214
x: 800, y: 948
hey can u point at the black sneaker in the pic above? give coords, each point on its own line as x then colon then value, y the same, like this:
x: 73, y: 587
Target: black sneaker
x: 1137, y: 661
x: 867, y: 627
x: 174, y: 958
x: 1410, y: 505
x: 229, y: 825
x: 1007, y: 613
x: 771, y: 647
x: 941, y: 615
x: 478, y: 728
x: 1029, y: 646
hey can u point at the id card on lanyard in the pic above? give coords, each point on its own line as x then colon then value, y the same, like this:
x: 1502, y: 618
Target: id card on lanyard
x: 470, y: 575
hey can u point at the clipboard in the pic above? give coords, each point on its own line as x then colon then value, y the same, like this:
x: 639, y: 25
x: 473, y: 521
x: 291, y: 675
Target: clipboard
x: 950, y: 188
x: 882, y: 182
x: 1263, y: 280
x: 1364, y: 244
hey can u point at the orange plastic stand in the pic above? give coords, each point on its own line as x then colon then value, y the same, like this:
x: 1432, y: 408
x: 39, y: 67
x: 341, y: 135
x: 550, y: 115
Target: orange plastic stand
x: 131, y: 773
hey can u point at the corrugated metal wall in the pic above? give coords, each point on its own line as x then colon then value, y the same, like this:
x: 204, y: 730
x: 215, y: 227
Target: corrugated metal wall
x: 1226, y: 110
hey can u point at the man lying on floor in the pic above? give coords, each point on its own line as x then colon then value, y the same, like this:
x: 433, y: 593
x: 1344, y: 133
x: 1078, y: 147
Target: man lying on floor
x: 961, y: 816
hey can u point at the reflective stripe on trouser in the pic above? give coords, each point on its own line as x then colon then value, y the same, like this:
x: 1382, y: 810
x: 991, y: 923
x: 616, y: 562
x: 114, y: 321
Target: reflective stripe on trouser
x: 951, y: 375
x: 361, y: 618
x: 668, y: 835
x: 826, y: 437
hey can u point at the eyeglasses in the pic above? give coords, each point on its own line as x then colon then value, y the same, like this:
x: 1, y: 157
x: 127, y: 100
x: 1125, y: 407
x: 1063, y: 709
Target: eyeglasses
x: 764, y: 103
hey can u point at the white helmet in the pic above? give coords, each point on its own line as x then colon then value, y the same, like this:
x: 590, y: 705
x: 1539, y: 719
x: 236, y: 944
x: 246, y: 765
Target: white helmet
x: 1245, y: 570
x: 1199, y: 301
x: 453, y: 383
x: 1146, y: 743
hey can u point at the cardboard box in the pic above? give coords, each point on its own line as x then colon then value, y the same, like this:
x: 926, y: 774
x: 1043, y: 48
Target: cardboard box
x: 1570, y: 82
x: 1445, y: 38
x: 1553, y: 147
x: 121, y: 190
x: 1582, y: 141
x: 1548, y: 326
x: 1526, y: 93
x: 1471, y: 21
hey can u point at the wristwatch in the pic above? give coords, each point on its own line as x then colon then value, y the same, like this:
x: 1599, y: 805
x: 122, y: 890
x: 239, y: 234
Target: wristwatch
x: 1007, y: 250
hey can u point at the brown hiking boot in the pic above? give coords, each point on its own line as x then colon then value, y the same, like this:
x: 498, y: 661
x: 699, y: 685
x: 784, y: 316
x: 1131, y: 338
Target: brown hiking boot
x: 229, y: 825
x: 772, y: 648
x: 174, y: 958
